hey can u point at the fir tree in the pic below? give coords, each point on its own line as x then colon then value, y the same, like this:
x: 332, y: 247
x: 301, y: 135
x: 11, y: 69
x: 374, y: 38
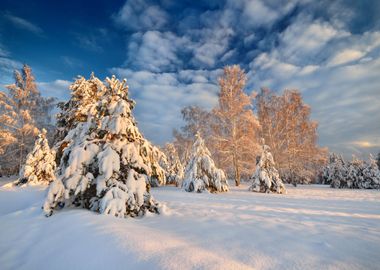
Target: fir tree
x: 174, y: 168
x: 40, y: 164
x: 106, y: 163
x: 371, y: 175
x: 201, y: 173
x: 266, y: 178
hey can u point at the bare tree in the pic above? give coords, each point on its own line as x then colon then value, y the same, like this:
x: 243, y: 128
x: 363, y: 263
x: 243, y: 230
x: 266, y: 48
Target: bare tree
x: 292, y: 136
x: 235, y: 128
x: 23, y: 111
x: 196, y: 120
x: 18, y: 108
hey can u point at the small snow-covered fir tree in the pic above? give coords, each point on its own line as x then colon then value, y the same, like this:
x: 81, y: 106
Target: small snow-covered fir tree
x: 40, y: 164
x: 106, y: 163
x: 266, y: 178
x: 201, y: 174
x: 371, y: 175
x: 335, y: 171
x: 174, y: 168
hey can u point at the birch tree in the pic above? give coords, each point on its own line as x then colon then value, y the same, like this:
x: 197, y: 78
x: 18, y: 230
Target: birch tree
x: 292, y: 136
x: 236, y: 128
x: 22, y: 112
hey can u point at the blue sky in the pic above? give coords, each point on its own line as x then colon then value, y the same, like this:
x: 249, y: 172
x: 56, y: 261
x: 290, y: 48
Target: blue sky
x: 172, y: 52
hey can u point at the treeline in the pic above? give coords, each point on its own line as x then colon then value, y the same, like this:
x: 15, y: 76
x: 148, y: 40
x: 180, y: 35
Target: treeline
x: 232, y: 131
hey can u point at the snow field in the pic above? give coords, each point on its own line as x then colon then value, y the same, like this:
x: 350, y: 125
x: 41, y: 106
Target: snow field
x: 312, y: 227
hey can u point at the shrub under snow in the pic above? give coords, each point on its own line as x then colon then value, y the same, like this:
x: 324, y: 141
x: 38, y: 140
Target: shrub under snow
x: 40, y: 164
x: 266, y: 177
x: 201, y: 173
x: 107, y: 162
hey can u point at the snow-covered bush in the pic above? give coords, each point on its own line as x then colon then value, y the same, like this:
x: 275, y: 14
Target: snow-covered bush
x: 173, y: 167
x: 106, y: 162
x: 201, y: 174
x: 266, y: 178
x: 40, y: 164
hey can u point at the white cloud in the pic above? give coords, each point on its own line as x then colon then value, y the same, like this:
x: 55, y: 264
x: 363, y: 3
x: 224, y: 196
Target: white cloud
x: 58, y: 89
x: 345, y: 56
x: 161, y: 96
x: 138, y: 15
x: 24, y: 24
x: 7, y: 67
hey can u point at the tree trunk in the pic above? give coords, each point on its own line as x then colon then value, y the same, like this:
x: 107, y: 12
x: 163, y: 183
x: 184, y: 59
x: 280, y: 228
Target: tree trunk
x: 237, y: 172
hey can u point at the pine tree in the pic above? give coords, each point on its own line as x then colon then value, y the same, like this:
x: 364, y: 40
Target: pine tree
x: 40, y: 163
x: 378, y: 160
x: 84, y: 93
x: 266, y: 178
x: 371, y: 175
x: 201, y: 173
x: 174, y: 168
x: 106, y: 163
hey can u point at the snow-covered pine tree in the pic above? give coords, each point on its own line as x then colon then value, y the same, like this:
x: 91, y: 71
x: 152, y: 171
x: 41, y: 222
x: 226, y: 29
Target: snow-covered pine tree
x: 201, y: 174
x: 103, y: 167
x: 371, y: 175
x: 174, y: 168
x: 152, y: 155
x: 378, y: 160
x: 40, y: 164
x: 338, y: 172
x: 334, y: 171
x: 84, y: 93
x: 266, y: 178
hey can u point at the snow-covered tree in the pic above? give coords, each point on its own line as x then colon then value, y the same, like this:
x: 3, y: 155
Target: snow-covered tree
x: 106, y: 163
x: 201, y: 174
x: 371, y: 175
x: 236, y: 127
x: 354, y: 174
x: 152, y: 156
x: 266, y: 178
x: 378, y: 160
x: 196, y: 120
x: 84, y: 94
x: 40, y: 163
x: 174, y: 169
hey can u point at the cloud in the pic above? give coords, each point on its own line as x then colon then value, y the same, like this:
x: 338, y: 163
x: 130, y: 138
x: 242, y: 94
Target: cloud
x: 58, y: 89
x: 308, y: 45
x: 161, y: 96
x: 138, y: 15
x: 155, y: 51
x: 7, y: 67
x: 71, y: 62
x: 24, y: 24
x: 344, y: 96
x: 345, y: 56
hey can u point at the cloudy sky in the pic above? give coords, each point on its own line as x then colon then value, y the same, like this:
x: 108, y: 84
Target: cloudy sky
x: 172, y: 53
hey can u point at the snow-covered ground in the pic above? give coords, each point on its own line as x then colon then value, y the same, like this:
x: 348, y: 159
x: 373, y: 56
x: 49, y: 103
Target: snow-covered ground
x: 312, y: 227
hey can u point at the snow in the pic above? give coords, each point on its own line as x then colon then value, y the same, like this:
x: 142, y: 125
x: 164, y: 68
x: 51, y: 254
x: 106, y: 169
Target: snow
x: 311, y: 227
